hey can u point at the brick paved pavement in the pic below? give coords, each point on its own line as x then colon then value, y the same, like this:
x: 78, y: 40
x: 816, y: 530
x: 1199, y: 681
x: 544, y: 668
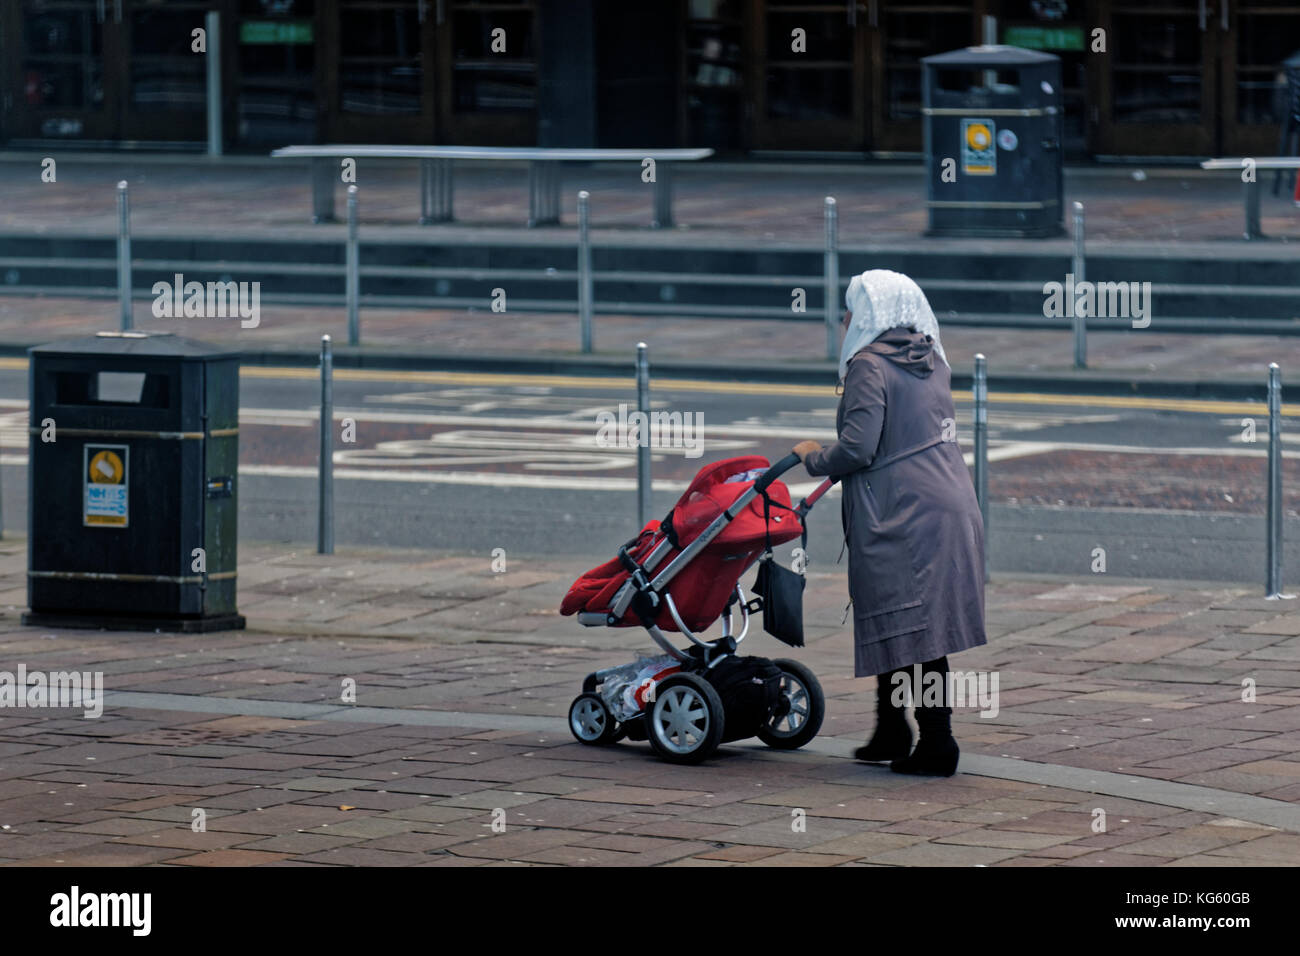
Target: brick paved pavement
x: 1114, y: 696
x: 185, y: 195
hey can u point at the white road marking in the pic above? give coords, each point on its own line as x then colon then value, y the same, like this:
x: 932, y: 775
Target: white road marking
x: 567, y: 442
x: 574, y: 452
x: 309, y: 417
x: 1021, y: 449
x: 481, y: 400
x: 491, y: 480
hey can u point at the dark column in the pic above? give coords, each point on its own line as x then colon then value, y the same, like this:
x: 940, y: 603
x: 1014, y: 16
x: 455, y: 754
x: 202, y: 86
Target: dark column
x: 566, y: 80
x: 636, y: 59
x: 607, y: 74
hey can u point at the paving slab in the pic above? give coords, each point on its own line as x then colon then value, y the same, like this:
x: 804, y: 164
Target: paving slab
x: 1111, y: 719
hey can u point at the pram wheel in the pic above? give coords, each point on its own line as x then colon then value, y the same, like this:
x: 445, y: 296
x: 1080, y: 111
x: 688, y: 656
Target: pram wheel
x: 685, y: 722
x: 590, y: 721
x: 799, y: 713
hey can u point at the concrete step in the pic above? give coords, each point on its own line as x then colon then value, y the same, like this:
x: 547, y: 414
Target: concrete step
x: 756, y: 282
x: 812, y: 318
x: 1248, y: 264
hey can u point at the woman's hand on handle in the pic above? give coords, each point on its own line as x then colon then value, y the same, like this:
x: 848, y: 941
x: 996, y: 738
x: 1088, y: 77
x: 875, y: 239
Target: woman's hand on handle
x: 804, y: 447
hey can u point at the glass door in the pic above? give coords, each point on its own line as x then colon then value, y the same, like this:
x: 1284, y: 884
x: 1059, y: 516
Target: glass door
x: 164, y: 80
x: 810, y: 75
x: 1062, y: 29
x: 1157, y: 95
x: 904, y: 31
x: 713, y: 77
x: 1255, y: 37
x: 377, y: 70
x: 488, y: 72
x: 58, y: 81
x: 275, y: 95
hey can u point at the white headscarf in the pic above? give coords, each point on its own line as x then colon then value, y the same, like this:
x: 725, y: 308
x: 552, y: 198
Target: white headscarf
x: 881, y: 300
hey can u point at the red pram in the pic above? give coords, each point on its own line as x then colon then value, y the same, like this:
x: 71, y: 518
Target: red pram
x: 683, y: 574
x: 701, y: 591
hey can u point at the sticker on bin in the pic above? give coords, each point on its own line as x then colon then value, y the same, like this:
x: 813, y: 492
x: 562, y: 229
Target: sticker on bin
x: 978, y: 155
x: 104, y: 477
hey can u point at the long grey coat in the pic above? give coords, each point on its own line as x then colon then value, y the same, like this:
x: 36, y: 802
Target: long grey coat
x: 911, y: 521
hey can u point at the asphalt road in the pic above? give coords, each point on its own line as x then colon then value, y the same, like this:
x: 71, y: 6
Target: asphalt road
x: 1168, y: 489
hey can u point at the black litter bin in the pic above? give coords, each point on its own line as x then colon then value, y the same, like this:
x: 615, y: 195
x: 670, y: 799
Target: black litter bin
x: 993, y: 131
x: 132, y: 511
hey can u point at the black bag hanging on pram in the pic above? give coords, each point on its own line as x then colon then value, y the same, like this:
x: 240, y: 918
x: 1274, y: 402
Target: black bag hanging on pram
x: 781, y: 591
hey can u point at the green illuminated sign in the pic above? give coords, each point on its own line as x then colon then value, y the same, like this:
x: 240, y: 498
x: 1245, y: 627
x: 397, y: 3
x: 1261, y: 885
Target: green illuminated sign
x: 1044, y: 38
x: 266, y: 32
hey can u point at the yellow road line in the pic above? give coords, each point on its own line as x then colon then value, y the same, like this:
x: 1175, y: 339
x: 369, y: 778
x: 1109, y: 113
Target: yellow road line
x: 1207, y: 406
x: 595, y: 383
x: 598, y: 383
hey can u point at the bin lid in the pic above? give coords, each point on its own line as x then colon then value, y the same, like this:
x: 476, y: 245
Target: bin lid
x: 146, y: 344
x: 991, y: 55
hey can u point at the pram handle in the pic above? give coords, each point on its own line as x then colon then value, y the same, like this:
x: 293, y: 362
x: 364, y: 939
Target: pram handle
x: 820, y: 490
x: 776, y: 471
x: 806, y: 504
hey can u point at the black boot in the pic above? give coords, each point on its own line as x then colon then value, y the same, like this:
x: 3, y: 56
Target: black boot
x: 892, y: 739
x: 936, y: 752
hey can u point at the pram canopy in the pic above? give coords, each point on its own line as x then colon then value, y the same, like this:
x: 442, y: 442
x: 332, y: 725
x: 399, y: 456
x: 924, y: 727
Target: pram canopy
x: 700, y: 590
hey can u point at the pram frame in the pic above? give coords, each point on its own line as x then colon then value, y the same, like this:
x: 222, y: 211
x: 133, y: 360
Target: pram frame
x: 640, y: 584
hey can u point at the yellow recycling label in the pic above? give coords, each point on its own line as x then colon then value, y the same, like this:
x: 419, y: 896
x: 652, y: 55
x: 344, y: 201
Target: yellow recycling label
x: 978, y: 153
x: 105, y: 496
x: 106, y: 468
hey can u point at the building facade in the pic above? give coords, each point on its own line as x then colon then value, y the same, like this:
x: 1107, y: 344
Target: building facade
x: 1172, y: 78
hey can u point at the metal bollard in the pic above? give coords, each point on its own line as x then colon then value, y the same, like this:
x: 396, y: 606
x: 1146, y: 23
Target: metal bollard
x: 213, y: 29
x: 1079, y: 268
x: 990, y: 39
x: 1253, y: 230
x: 124, y: 257
x: 831, y: 278
x: 643, y: 499
x: 353, y: 269
x: 981, y: 394
x: 1273, y: 586
x: 325, y: 517
x: 584, y: 270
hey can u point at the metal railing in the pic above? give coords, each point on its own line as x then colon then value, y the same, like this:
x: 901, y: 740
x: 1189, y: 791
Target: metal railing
x: 585, y: 296
x: 1273, y: 586
x: 981, y: 426
x: 1079, y: 269
x: 124, y: 257
x: 352, y: 270
x: 644, y: 503
x: 325, y: 494
x: 980, y: 469
x: 831, y: 278
x: 1273, y: 474
x: 584, y: 277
